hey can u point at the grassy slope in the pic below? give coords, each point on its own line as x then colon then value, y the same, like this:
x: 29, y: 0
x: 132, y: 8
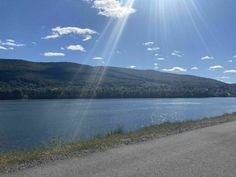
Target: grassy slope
x: 58, y: 150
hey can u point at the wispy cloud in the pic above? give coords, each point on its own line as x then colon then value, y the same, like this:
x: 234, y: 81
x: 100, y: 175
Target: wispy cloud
x: 177, y: 53
x: 87, y: 38
x: 3, y: 48
x: 11, y: 40
x: 61, y: 31
x: 132, y: 66
x: 10, y: 44
x: 207, y: 58
x: 161, y: 59
x: 153, y: 48
x: 194, y: 68
x: 112, y: 8
x: 215, y: 67
x: 175, y: 69
x: 148, y: 43
x: 156, y: 66
x: 97, y: 58
x: 53, y: 54
x: 76, y: 48
x: 232, y: 71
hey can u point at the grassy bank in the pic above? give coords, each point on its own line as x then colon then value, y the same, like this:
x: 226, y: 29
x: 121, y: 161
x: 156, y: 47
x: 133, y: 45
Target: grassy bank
x: 58, y: 150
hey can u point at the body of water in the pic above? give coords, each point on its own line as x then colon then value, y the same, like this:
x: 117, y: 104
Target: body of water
x: 31, y: 123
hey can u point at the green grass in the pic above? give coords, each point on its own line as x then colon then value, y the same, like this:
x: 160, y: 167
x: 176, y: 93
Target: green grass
x: 57, y: 149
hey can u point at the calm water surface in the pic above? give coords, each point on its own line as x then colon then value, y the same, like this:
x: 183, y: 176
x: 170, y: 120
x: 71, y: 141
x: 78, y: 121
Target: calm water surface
x: 30, y: 123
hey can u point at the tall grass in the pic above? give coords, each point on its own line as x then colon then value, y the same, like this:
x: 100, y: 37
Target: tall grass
x: 117, y: 131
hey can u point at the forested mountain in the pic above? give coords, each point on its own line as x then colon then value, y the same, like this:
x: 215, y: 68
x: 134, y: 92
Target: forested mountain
x: 30, y: 80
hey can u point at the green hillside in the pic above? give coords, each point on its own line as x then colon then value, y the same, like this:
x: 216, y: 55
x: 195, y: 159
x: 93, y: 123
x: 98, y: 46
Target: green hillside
x: 30, y: 80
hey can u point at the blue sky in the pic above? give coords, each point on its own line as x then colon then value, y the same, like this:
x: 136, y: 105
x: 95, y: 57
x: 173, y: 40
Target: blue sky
x: 194, y: 37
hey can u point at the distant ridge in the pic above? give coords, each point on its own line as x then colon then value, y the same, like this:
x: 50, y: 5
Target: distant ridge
x: 20, y: 79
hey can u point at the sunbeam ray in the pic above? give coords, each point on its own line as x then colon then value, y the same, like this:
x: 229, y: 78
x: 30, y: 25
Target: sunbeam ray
x: 116, y: 26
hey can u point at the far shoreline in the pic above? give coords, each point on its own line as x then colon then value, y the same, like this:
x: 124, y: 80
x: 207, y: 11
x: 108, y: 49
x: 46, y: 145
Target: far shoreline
x: 42, y: 99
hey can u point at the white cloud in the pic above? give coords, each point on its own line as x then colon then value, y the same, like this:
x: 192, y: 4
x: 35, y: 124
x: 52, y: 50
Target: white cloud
x: 9, y: 44
x: 53, y: 54
x: 155, y: 64
x: 3, y: 48
x: 207, y: 58
x: 175, y: 69
x: 148, y: 43
x: 11, y: 48
x: 194, y: 68
x: 76, y: 48
x: 61, y: 31
x: 156, y: 54
x: 215, y: 67
x: 112, y: 8
x: 233, y: 71
x: 97, y: 58
x: 132, y: 66
x: 234, y: 56
x: 87, y: 38
x: 177, y: 53
x: 230, y: 61
x: 153, y: 48
x: 161, y: 59
x: 11, y: 40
